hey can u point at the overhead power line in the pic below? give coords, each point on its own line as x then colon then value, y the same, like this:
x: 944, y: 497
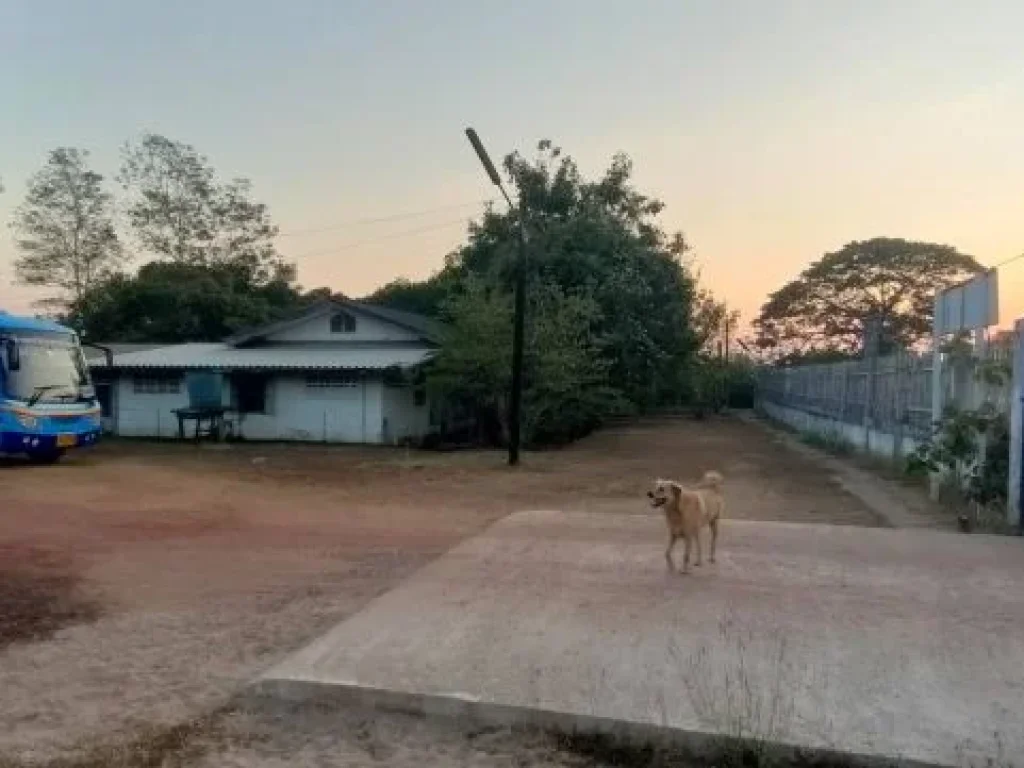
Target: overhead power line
x: 381, y: 219
x: 1007, y: 261
x: 371, y: 241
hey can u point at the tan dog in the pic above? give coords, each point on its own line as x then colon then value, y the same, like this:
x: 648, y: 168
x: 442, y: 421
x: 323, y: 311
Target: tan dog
x: 687, y: 511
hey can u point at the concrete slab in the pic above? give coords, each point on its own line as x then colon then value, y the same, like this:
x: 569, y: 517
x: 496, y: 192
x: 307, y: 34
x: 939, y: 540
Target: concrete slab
x: 873, y: 641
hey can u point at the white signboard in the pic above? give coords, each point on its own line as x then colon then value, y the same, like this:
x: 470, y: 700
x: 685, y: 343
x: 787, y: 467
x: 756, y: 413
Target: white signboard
x: 969, y: 306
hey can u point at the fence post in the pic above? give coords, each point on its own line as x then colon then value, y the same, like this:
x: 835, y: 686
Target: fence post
x: 844, y: 387
x: 979, y: 389
x: 899, y: 406
x: 935, y: 479
x: 844, y: 391
x: 1013, y: 508
x: 871, y: 356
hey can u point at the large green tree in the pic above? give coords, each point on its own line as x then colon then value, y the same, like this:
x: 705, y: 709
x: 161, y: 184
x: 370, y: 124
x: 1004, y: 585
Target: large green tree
x: 823, y: 312
x: 172, y: 303
x: 215, y: 268
x: 180, y: 212
x: 64, y: 229
x: 602, y: 236
x: 597, y: 238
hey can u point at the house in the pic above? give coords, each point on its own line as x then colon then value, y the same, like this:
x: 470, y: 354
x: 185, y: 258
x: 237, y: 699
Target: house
x: 340, y: 372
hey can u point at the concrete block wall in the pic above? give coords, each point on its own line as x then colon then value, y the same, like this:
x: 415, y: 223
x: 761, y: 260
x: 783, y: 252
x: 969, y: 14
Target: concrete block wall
x: 1017, y: 430
x: 873, y: 441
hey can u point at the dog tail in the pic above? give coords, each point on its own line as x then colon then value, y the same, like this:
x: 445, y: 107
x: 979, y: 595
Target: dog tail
x: 713, y: 480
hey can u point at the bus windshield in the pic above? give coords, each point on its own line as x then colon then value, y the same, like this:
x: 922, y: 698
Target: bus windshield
x: 49, y: 370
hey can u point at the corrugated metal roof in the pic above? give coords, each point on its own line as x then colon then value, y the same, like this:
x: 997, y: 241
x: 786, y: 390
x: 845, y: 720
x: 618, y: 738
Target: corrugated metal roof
x: 292, y: 356
x: 94, y: 354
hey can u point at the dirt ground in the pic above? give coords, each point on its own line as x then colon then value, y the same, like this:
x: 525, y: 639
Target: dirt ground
x: 142, y: 584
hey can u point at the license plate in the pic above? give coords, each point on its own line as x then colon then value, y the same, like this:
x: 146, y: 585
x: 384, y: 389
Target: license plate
x: 66, y: 441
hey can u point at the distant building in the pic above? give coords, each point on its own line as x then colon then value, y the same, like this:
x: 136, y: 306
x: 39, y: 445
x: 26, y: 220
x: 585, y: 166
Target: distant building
x: 340, y: 372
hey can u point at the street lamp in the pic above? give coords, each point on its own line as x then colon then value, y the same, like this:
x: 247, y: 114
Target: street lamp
x: 515, y: 404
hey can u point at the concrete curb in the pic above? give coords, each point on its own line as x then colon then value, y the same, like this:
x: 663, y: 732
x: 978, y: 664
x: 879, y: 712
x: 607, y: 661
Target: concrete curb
x: 292, y: 697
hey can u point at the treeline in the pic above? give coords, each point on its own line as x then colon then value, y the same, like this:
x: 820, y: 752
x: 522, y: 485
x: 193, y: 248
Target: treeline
x: 616, y: 320
x: 209, y: 261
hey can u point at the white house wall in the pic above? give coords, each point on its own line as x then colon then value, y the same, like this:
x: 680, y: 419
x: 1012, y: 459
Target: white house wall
x: 401, y: 417
x: 369, y: 412
x: 147, y: 415
x: 298, y: 412
x: 367, y: 329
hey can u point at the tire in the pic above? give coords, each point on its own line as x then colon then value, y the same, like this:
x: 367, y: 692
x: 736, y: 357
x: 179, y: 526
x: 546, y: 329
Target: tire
x: 46, y: 458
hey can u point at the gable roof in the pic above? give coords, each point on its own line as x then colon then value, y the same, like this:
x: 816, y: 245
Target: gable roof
x: 424, y: 327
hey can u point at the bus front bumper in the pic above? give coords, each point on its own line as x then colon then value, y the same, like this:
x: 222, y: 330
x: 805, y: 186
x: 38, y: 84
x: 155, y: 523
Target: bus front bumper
x: 33, y: 442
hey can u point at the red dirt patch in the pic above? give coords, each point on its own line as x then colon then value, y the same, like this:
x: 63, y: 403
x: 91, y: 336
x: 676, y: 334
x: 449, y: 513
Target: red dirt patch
x: 38, y: 594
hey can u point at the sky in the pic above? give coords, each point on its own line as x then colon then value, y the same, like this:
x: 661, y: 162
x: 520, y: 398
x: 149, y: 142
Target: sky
x: 773, y: 131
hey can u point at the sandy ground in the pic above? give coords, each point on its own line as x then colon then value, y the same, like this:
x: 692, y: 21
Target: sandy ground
x: 180, y: 572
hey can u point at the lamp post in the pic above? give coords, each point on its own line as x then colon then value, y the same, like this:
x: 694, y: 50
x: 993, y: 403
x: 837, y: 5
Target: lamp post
x: 516, y: 399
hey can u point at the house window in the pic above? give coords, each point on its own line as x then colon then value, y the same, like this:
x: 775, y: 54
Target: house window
x: 157, y: 384
x: 250, y: 392
x: 331, y: 379
x: 343, y: 322
x: 419, y: 397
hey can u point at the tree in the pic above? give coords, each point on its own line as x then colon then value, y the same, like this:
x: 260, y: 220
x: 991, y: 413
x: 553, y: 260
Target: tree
x: 173, y: 303
x: 565, y: 378
x: 599, y: 238
x: 179, y: 212
x: 64, y: 230
x: 824, y: 310
x: 611, y: 316
x: 712, y: 320
x: 426, y: 297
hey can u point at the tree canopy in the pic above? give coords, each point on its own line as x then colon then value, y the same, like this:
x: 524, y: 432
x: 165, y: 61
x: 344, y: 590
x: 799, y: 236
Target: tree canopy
x: 823, y: 312
x: 609, y: 291
x: 64, y: 229
x: 425, y: 297
x: 180, y: 212
x: 212, y: 264
x: 174, y: 303
x: 566, y: 389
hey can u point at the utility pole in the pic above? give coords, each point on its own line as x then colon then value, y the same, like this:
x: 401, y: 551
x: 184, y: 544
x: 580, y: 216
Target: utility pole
x: 726, y: 332
x: 518, y: 322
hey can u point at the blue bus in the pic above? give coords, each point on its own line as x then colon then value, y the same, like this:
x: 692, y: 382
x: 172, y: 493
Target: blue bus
x: 47, y: 401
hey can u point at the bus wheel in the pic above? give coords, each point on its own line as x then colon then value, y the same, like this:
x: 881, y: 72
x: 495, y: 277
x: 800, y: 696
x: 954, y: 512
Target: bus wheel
x: 47, y: 457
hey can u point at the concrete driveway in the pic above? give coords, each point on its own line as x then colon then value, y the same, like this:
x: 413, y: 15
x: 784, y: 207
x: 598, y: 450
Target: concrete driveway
x: 903, y: 643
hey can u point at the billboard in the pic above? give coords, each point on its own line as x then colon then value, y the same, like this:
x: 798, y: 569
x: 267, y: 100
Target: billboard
x: 968, y: 306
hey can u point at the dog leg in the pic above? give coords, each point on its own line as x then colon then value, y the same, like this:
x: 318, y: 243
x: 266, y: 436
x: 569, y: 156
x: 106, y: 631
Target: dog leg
x: 700, y: 556
x: 714, y: 540
x: 668, y: 552
x: 686, y: 554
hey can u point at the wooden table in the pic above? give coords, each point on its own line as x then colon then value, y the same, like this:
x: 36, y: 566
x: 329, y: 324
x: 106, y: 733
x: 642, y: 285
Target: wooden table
x: 213, y: 415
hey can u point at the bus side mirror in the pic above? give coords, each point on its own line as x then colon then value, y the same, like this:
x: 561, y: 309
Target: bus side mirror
x: 13, y: 355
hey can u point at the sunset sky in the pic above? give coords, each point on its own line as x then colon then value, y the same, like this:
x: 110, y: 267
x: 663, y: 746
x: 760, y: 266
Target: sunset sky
x: 773, y: 131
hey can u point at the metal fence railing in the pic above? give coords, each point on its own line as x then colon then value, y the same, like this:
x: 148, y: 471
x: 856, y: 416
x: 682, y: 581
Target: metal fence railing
x: 891, y: 394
